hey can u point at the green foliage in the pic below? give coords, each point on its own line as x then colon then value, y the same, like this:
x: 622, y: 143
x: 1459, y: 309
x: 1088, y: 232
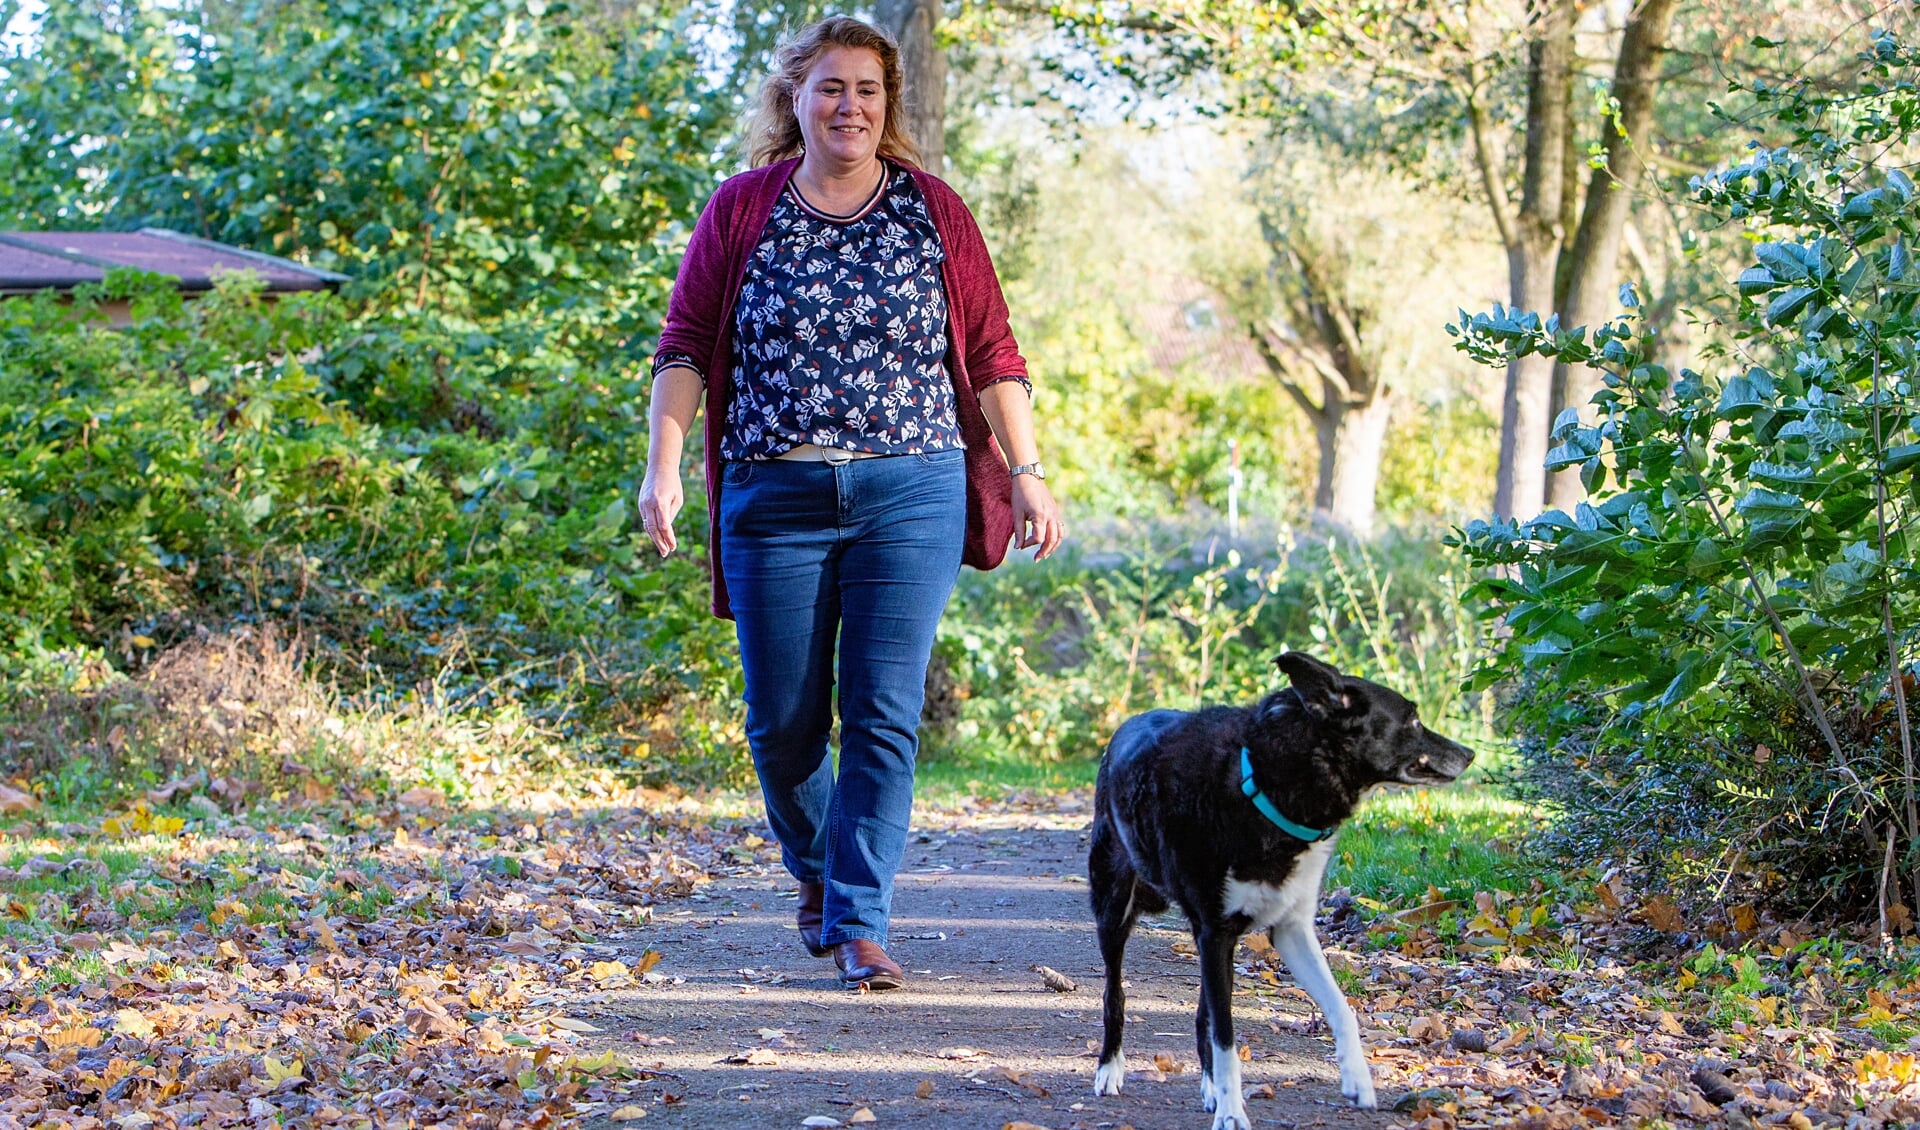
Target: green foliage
x: 1044, y: 664
x: 472, y: 156
x: 1721, y: 633
x: 132, y: 461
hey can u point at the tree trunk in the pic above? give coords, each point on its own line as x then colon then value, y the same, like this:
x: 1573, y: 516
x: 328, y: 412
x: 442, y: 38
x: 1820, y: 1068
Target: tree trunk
x: 1533, y: 239
x: 1594, y: 286
x: 1352, y: 436
x: 913, y: 24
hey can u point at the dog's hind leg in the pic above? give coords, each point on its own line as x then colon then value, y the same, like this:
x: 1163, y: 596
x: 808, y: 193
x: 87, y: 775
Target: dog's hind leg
x: 1116, y: 907
x: 1219, y: 1059
x: 1203, y: 1041
x: 1300, y: 949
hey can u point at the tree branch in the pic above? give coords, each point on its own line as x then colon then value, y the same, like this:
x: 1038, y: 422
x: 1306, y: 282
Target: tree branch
x: 1282, y: 371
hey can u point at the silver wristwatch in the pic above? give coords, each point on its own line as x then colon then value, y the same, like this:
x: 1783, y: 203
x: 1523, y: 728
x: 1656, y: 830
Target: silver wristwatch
x: 1034, y: 469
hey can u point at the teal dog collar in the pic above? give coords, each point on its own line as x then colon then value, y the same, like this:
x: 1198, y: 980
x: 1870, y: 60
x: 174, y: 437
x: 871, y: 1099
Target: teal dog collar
x: 1252, y: 792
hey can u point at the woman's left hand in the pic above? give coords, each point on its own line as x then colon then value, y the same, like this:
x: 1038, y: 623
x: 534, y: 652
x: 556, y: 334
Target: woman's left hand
x: 1036, y: 516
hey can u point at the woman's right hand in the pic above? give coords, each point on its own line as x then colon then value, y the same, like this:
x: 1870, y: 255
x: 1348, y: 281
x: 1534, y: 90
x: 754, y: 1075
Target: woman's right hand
x: 660, y: 501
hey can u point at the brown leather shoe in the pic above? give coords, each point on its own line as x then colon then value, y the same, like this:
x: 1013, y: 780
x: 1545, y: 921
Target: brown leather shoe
x: 808, y: 915
x: 864, y: 963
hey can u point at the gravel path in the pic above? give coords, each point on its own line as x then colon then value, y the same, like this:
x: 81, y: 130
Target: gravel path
x: 975, y: 1039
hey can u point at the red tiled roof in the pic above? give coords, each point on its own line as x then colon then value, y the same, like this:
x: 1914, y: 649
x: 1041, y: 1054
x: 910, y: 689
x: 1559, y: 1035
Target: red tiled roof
x: 1189, y: 326
x: 31, y: 261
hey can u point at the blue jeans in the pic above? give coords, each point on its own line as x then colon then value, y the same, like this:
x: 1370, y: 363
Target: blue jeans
x: 867, y: 551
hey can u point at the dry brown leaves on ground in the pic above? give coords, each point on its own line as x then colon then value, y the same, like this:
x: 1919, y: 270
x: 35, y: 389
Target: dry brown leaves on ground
x: 403, y: 972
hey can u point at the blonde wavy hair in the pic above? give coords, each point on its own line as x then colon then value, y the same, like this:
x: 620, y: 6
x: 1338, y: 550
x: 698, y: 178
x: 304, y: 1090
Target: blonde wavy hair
x: 773, y: 130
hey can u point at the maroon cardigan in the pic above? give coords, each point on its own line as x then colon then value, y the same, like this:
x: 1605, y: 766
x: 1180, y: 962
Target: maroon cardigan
x: 980, y: 347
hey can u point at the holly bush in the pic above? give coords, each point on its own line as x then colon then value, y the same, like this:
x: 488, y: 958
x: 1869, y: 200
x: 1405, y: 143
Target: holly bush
x: 1715, y: 650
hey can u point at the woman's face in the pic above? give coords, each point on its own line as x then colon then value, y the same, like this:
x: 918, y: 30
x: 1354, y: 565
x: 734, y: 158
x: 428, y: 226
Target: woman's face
x: 842, y: 107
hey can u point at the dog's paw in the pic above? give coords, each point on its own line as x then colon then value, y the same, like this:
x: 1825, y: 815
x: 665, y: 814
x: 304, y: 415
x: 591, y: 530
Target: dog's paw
x: 1108, y: 1077
x: 1232, y: 1115
x: 1360, y: 1090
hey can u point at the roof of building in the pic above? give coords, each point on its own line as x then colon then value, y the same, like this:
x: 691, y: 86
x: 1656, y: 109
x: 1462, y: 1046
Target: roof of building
x: 1189, y: 326
x: 33, y: 261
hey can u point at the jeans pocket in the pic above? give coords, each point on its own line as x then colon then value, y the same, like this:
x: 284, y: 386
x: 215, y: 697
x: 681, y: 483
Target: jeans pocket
x: 941, y: 458
x: 737, y: 472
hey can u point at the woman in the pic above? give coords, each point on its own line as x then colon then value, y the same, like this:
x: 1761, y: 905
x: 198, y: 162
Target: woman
x: 839, y: 314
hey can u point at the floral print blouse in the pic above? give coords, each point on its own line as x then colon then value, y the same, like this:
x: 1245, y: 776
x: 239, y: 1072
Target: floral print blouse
x: 840, y: 332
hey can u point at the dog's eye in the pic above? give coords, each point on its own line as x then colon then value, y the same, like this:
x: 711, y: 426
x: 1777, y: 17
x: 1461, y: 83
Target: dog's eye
x: 1416, y: 725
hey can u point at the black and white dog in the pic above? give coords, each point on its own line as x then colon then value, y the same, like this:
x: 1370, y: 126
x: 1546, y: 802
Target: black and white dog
x: 1228, y: 812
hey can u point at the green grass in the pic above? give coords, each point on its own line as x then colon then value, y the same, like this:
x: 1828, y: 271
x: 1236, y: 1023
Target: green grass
x: 954, y: 776
x: 1461, y: 839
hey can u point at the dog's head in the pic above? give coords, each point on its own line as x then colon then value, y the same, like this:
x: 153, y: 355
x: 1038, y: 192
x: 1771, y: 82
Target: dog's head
x: 1378, y: 729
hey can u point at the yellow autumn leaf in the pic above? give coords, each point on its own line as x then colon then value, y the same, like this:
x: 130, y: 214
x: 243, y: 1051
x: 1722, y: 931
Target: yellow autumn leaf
x: 143, y: 641
x: 84, y: 1037
x: 167, y: 825
x: 132, y: 1022
x: 595, y: 1064
x: 608, y: 970
x: 628, y: 1113
x: 647, y: 961
x: 281, y: 1072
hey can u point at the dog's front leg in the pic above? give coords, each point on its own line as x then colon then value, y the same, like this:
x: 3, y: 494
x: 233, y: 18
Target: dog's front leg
x: 1219, y: 1059
x: 1300, y: 949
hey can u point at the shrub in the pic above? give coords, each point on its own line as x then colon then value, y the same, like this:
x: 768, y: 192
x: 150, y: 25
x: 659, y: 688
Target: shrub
x: 1046, y: 663
x: 1714, y: 652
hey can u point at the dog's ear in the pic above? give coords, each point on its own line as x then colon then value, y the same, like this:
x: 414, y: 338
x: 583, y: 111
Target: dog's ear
x: 1319, y: 684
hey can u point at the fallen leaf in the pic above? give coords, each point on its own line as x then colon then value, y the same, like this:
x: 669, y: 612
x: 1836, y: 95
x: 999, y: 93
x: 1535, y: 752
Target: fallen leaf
x: 924, y: 1090
x: 1018, y: 1124
x: 1661, y: 914
x: 132, y: 1022
x: 84, y: 1037
x: 961, y: 1052
x: 1054, y: 979
x: 820, y: 1120
x: 629, y: 1113
x: 281, y: 1072
x: 120, y: 952
x: 423, y: 796
x: 427, y: 1018
x: 647, y: 961
x: 572, y: 1025
x: 861, y: 1115
x: 1166, y: 1063
x: 608, y: 970
x: 758, y: 1057
x: 1004, y: 1074
x: 13, y: 800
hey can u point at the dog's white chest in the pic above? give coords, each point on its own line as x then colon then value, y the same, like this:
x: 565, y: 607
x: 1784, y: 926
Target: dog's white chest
x: 1295, y: 899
